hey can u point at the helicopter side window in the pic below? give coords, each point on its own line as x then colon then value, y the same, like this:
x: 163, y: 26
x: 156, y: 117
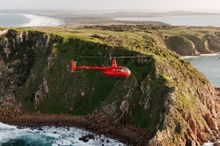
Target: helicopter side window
x: 125, y: 69
x: 119, y: 70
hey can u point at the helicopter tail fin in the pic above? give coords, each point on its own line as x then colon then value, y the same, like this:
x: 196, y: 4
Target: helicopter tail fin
x: 114, y: 63
x: 73, y: 65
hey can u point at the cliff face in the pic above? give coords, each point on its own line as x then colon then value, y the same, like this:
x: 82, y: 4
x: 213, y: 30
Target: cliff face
x: 182, y: 40
x: 164, y: 95
x: 193, y: 44
x: 181, y: 45
x: 18, y: 55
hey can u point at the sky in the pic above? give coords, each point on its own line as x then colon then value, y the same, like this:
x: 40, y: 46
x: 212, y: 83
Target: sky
x: 150, y: 5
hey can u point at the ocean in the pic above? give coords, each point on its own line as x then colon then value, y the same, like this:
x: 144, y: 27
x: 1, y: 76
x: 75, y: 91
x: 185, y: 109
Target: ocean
x: 180, y: 20
x: 50, y: 136
x: 209, y: 66
x: 27, y: 20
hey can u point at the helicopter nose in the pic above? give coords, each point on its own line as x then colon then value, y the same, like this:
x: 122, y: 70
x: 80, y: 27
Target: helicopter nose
x: 129, y: 72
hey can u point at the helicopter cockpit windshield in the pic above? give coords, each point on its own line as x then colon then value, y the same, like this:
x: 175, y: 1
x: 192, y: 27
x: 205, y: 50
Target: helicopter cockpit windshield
x: 124, y: 69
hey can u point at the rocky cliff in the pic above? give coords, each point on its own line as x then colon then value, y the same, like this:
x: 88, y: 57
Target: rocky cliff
x: 182, y: 40
x: 193, y: 44
x: 165, y: 95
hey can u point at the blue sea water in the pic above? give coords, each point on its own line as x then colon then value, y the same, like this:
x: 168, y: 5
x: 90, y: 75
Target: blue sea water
x: 180, y: 20
x: 50, y: 136
x: 25, y: 20
x: 209, y: 66
x: 12, y: 20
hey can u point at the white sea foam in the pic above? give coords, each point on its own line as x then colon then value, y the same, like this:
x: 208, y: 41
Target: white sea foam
x: 213, y: 54
x: 27, y: 20
x: 188, y: 57
x: 210, y: 144
x: 52, y: 136
x: 36, y: 20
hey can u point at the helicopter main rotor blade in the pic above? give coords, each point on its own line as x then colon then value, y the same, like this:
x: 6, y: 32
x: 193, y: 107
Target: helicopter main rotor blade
x: 130, y: 57
x: 91, y: 57
x: 94, y: 57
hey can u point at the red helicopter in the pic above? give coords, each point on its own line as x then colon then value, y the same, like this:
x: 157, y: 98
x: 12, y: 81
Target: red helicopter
x: 113, y: 70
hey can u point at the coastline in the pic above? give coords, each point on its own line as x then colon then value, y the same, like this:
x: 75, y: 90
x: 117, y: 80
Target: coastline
x: 98, y: 124
x: 31, y: 20
x: 39, y: 21
x: 200, y: 55
x: 51, y: 135
x: 207, y: 64
x: 176, y: 20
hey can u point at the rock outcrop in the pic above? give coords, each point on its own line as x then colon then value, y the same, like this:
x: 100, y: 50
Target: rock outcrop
x: 185, y: 41
x: 165, y: 95
x: 193, y: 44
x: 181, y: 45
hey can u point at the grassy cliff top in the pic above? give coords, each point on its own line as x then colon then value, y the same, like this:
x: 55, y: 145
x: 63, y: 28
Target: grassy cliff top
x: 87, y: 31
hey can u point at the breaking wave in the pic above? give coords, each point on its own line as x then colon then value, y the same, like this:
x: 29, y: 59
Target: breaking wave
x: 28, y: 20
x: 35, y: 20
x: 50, y: 136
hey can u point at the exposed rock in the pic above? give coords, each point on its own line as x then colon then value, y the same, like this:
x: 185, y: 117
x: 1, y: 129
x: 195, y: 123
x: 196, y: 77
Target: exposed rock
x: 217, y: 144
x: 211, y: 122
x: 213, y: 42
x: 86, y: 138
x: 181, y: 45
x: 17, y: 59
x: 3, y: 32
x: 41, y: 93
x: 201, y: 44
